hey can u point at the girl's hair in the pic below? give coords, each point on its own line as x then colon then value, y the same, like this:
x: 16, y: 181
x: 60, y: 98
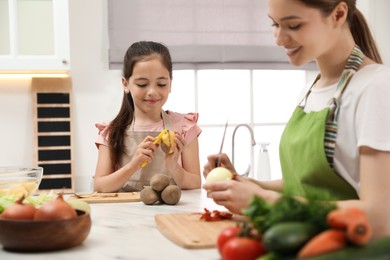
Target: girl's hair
x: 357, y: 24
x: 138, y: 51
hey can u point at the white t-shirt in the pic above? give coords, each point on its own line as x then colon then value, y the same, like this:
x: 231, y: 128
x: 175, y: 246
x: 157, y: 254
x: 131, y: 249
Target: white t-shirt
x: 364, y: 118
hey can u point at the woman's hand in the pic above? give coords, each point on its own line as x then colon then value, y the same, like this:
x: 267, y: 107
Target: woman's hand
x: 235, y: 194
x: 212, y: 161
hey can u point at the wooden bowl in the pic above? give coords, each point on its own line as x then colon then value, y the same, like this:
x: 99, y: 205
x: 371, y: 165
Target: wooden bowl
x: 39, y: 236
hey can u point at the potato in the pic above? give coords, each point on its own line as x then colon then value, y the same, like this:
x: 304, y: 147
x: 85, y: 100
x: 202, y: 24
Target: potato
x: 159, y: 181
x: 149, y: 196
x: 219, y: 174
x: 171, y: 194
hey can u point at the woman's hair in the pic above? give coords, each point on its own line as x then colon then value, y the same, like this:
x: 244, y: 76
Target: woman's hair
x: 357, y: 24
x: 138, y: 51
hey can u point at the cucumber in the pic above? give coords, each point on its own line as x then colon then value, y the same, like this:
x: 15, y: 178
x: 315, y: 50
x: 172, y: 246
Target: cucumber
x: 275, y: 256
x: 377, y: 250
x: 288, y: 237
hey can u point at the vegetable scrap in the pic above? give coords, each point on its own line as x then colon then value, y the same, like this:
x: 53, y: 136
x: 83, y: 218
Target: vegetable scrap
x: 215, y: 215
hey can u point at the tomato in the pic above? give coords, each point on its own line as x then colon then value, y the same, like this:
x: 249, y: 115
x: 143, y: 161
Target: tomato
x: 242, y: 248
x: 226, y: 235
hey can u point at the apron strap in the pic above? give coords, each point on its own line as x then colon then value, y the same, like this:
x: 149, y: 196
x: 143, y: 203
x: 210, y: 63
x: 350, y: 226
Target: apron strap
x: 302, y: 103
x: 353, y: 64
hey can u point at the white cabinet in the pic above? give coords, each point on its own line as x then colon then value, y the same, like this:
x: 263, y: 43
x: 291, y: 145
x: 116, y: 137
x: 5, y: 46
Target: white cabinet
x: 34, y: 35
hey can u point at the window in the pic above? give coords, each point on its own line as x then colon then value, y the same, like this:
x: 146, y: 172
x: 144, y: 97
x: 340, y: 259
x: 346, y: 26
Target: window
x: 262, y: 99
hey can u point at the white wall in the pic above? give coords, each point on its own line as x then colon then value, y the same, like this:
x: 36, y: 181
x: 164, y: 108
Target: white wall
x: 376, y: 13
x: 96, y: 90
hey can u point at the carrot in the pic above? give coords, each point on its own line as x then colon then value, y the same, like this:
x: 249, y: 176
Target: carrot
x: 325, y: 242
x: 337, y: 219
x: 359, y: 232
x: 354, y: 221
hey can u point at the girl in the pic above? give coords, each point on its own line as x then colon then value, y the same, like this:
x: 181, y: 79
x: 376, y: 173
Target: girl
x: 126, y: 143
x: 337, y: 143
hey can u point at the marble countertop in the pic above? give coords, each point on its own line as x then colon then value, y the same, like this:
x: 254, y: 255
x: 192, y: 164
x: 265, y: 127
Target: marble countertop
x: 128, y: 231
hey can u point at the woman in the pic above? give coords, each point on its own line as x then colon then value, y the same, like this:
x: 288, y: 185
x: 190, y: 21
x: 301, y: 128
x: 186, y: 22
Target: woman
x: 336, y: 144
x: 126, y: 144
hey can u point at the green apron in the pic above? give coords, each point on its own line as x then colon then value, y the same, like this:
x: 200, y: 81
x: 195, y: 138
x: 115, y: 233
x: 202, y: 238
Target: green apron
x: 307, y: 146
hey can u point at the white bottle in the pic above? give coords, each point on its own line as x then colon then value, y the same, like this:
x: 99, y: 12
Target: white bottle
x: 263, y: 172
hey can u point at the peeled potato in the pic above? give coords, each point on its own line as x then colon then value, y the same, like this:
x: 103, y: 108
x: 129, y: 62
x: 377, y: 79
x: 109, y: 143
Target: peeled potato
x: 168, y: 141
x: 219, y: 174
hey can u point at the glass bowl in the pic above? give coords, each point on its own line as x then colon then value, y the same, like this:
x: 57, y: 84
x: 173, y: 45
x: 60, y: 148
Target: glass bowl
x: 20, y: 181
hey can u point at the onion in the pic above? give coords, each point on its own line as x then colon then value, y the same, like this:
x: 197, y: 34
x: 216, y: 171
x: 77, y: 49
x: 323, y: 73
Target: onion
x: 20, y: 211
x: 56, y: 209
x: 219, y: 174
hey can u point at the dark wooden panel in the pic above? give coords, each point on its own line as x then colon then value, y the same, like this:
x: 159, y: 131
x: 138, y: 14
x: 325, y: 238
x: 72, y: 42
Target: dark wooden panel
x: 54, y: 140
x: 45, y: 127
x: 58, y: 183
x: 58, y: 168
x: 53, y: 155
x: 53, y: 112
x: 53, y: 98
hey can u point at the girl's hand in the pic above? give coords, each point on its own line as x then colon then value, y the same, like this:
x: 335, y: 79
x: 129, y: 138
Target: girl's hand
x: 212, y: 161
x: 235, y: 195
x: 171, y: 160
x: 145, y: 151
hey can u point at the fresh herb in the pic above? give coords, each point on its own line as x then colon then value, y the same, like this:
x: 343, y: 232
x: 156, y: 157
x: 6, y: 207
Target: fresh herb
x: 7, y: 200
x: 40, y: 199
x: 264, y: 215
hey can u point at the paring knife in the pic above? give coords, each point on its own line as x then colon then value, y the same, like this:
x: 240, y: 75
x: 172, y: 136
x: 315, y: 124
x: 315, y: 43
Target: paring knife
x: 218, y: 163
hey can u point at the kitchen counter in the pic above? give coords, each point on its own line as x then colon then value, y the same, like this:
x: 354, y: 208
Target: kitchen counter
x: 129, y: 231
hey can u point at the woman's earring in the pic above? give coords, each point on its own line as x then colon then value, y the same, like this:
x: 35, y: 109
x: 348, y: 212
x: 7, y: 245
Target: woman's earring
x: 127, y: 91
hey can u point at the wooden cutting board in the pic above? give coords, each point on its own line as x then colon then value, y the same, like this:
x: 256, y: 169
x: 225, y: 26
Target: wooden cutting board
x: 108, y: 197
x: 188, y: 231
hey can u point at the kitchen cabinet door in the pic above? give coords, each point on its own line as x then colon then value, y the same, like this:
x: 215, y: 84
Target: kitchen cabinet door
x: 34, y: 35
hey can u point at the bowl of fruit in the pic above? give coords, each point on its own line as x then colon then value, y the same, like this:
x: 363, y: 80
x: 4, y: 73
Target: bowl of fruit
x: 20, y: 181
x: 54, y: 225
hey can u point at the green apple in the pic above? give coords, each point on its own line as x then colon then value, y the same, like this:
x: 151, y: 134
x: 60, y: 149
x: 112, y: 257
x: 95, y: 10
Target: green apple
x: 79, y: 205
x: 219, y: 174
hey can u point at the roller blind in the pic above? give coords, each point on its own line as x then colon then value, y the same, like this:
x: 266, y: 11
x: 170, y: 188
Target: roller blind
x: 201, y: 33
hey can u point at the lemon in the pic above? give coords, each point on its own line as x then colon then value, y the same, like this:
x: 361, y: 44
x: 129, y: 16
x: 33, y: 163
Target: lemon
x: 30, y: 187
x: 17, y: 191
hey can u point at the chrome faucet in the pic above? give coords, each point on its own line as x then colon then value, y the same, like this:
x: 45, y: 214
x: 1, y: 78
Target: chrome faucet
x: 253, y: 143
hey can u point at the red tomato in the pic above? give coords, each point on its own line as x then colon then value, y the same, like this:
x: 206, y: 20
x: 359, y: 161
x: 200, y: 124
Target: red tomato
x: 242, y: 248
x: 226, y: 235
